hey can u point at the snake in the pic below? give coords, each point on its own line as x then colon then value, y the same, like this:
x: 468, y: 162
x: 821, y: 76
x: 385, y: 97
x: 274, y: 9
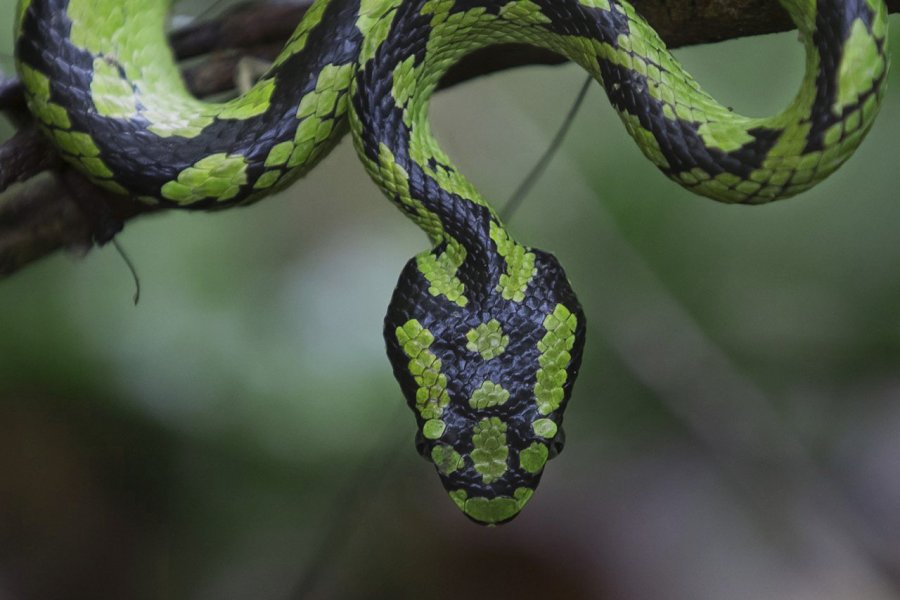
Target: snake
x: 485, y: 335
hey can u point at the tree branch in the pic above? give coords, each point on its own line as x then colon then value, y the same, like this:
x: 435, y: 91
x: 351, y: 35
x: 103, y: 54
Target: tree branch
x: 42, y: 216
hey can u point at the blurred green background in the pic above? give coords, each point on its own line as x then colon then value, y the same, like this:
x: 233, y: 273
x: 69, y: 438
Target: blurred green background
x: 734, y: 432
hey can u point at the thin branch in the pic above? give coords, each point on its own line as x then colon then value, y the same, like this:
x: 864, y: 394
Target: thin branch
x: 243, y: 26
x: 260, y: 30
x: 25, y: 155
x: 215, y: 75
x: 38, y: 219
x: 12, y: 94
x: 518, y: 196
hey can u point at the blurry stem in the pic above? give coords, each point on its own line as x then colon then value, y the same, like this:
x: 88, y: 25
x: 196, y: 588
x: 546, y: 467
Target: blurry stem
x: 699, y: 384
x: 131, y: 269
x: 352, y: 501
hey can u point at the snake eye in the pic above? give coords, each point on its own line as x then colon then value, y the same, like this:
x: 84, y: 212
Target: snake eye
x: 556, y: 446
x: 422, y: 446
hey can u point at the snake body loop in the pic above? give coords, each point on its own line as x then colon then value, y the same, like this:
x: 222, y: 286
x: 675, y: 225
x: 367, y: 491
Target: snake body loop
x: 485, y: 334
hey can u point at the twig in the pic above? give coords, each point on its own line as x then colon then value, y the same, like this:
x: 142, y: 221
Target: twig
x: 518, y: 196
x: 25, y: 155
x: 12, y: 94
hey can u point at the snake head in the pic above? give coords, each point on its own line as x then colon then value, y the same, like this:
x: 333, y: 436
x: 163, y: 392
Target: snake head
x: 487, y: 374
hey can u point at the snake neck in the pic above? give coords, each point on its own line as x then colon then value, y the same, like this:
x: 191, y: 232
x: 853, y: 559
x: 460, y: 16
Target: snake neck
x: 470, y: 245
x: 473, y: 254
x: 484, y: 334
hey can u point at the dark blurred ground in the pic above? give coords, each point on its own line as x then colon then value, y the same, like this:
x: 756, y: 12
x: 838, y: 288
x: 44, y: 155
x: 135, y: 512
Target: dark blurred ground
x: 734, y: 434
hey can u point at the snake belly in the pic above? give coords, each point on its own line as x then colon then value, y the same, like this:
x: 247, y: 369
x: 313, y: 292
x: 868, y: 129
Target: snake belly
x: 484, y: 334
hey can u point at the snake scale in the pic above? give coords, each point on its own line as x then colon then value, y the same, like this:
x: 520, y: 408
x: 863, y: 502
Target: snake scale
x: 485, y: 334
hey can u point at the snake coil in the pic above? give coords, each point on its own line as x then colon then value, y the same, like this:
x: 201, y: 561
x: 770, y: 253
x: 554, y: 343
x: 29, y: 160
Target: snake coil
x: 485, y: 334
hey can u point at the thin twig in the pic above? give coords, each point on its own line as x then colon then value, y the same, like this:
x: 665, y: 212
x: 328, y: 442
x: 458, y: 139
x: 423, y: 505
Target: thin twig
x: 131, y: 269
x: 515, y: 200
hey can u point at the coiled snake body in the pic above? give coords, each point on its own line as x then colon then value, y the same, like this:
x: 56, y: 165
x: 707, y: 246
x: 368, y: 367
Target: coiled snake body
x: 484, y: 334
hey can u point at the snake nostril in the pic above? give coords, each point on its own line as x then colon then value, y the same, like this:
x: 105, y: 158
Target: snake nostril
x: 558, y: 443
x: 422, y: 445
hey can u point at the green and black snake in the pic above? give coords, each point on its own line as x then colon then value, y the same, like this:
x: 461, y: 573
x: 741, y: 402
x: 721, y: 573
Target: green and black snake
x: 485, y: 335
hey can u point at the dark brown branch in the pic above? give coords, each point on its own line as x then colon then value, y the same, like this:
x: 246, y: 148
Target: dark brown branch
x: 41, y: 216
x: 37, y: 219
x: 12, y: 96
x: 24, y: 156
x: 244, y: 26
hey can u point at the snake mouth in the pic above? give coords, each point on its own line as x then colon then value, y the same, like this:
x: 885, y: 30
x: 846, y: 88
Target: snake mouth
x: 492, y: 511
